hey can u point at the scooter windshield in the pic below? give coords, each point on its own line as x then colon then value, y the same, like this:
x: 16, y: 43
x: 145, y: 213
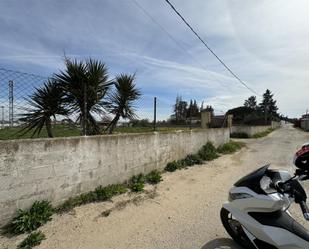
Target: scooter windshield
x: 252, y: 180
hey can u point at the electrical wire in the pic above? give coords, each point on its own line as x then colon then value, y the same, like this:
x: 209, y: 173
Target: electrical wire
x: 175, y: 40
x: 209, y: 48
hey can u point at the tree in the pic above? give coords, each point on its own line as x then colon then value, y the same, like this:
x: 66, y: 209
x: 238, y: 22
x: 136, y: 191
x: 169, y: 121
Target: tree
x: 251, y: 103
x: 120, y: 101
x: 268, y: 106
x: 45, y: 103
x: 193, y: 110
x: 180, y: 109
x: 85, y: 84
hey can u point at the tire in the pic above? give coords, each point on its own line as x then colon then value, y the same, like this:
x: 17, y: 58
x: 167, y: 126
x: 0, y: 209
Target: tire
x: 239, y: 237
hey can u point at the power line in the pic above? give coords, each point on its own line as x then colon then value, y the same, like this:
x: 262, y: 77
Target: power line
x: 208, y: 47
x: 173, y: 38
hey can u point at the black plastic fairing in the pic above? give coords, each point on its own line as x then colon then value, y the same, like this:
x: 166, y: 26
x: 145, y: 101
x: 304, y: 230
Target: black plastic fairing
x: 252, y: 180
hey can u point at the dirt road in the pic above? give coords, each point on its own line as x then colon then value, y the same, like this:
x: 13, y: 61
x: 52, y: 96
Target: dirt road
x: 183, y: 212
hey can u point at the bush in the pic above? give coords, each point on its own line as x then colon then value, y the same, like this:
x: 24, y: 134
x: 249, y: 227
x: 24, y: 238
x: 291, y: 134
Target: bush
x: 191, y: 160
x: 239, y: 135
x: 137, y: 183
x: 208, y: 152
x: 27, y: 221
x: 154, y: 177
x: 230, y: 147
x: 34, y: 239
x: 173, y: 166
x: 106, y: 193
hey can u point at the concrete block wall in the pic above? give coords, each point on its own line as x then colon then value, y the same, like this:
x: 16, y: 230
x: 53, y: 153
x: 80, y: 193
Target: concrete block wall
x: 249, y: 130
x: 304, y: 124
x: 56, y: 169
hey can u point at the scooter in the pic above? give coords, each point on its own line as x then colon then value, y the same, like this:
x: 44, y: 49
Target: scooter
x: 256, y: 215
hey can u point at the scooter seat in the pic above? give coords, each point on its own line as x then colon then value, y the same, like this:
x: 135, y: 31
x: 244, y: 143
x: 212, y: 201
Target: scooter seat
x: 282, y: 220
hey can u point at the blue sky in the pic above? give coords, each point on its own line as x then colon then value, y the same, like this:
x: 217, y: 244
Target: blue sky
x: 264, y: 42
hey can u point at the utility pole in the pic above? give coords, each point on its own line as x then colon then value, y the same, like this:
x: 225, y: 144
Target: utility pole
x: 11, y: 103
x: 154, y: 113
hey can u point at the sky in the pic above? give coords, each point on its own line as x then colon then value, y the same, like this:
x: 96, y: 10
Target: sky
x: 266, y: 43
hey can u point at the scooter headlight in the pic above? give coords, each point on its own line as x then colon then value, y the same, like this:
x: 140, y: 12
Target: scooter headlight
x: 237, y: 196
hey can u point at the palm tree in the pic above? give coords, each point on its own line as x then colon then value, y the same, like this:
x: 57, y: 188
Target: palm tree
x: 45, y: 103
x: 121, y: 100
x: 85, y: 84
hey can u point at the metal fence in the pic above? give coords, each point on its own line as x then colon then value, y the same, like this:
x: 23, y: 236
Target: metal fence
x: 17, y: 87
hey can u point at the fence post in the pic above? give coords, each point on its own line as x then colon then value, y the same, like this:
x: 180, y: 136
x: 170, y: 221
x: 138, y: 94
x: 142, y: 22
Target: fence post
x: 154, y: 113
x: 2, y: 107
x: 85, y: 111
x: 190, y: 113
x: 11, y: 103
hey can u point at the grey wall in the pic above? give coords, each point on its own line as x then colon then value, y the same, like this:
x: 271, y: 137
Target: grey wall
x: 304, y: 124
x: 249, y: 130
x: 56, y: 169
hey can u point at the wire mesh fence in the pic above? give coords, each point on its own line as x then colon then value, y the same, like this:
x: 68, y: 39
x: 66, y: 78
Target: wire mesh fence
x: 153, y: 113
x: 15, y: 87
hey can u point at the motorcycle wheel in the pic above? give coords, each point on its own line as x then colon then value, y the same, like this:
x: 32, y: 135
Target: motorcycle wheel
x: 235, y: 230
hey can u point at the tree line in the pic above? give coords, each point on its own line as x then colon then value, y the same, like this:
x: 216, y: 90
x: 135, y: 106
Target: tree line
x: 250, y: 113
x: 257, y: 113
x: 182, y: 110
x: 84, y: 88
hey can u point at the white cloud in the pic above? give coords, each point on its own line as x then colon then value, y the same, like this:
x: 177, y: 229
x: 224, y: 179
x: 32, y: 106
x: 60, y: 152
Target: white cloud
x: 264, y: 42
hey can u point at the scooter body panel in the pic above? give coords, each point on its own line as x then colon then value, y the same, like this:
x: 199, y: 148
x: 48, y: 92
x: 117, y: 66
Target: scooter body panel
x: 280, y: 238
x: 258, y: 203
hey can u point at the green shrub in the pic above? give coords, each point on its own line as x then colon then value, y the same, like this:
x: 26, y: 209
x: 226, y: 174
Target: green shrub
x: 230, y: 147
x: 33, y: 239
x: 154, y: 177
x: 137, y: 183
x: 106, y: 193
x: 29, y: 220
x: 239, y: 135
x: 173, y: 166
x: 191, y: 160
x: 76, y: 201
x: 99, y: 194
x: 208, y: 152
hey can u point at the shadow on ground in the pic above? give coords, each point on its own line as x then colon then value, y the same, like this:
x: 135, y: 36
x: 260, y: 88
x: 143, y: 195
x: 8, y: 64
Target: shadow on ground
x: 221, y: 244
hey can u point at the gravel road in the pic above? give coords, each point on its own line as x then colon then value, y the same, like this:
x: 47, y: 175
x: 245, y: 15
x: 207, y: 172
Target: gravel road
x: 182, y: 212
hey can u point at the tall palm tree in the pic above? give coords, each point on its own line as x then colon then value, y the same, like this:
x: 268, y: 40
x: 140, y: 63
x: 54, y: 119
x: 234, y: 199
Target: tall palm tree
x: 45, y: 103
x: 121, y: 100
x: 85, y: 84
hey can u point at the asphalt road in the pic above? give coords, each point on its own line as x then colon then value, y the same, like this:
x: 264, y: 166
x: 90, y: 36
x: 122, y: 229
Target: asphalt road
x: 182, y: 213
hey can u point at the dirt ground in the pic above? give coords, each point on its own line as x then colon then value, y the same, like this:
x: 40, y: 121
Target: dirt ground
x: 181, y: 212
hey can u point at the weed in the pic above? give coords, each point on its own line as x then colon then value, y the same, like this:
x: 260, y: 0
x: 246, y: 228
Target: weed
x: 106, y: 193
x: 29, y: 220
x: 154, y: 177
x: 230, y: 147
x: 137, y: 183
x: 33, y: 239
x: 172, y: 166
x: 99, y: 194
x: 208, y: 152
x: 191, y: 160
